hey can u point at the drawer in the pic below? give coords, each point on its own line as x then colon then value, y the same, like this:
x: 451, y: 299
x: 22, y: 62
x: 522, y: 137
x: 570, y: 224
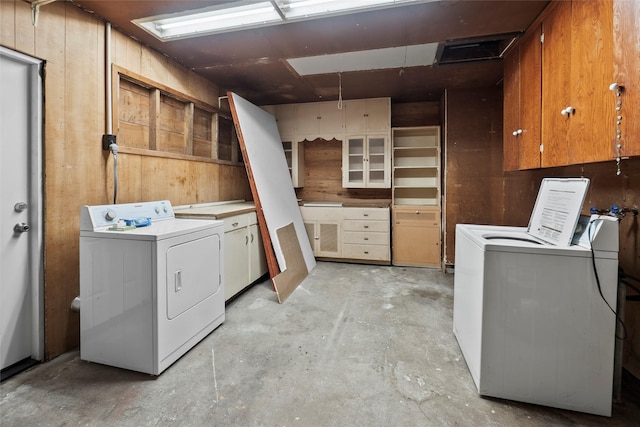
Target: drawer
x: 365, y: 238
x: 364, y: 225
x: 418, y: 216
x: 366, y: 213
x: 236, y: 221
x: 368, y: 252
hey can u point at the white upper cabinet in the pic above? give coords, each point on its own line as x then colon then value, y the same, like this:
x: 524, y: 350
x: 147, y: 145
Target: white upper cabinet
x: 367, y: 115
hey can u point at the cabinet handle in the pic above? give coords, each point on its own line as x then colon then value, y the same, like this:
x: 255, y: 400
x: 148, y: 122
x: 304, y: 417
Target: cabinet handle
x: 235, y: 224
x: 517, y: 132
x: 417, y: 212
x: 251, y: 237
x: 366, y: 252
x: 366, y: 226
x: 246, y: 240
x: 366, y: 238
x: 366, y: 214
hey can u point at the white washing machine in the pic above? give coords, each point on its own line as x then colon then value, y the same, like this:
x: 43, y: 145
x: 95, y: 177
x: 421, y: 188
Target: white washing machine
x: 148, y: 293
x: 530, y: 315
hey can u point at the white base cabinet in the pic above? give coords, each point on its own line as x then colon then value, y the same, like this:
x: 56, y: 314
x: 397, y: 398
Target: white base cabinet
x: 349, y: 233
x: 244, y: 256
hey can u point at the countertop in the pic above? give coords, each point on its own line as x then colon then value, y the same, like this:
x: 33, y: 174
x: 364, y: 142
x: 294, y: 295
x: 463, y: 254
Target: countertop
x: 349, y: 204
x: 215, y: 210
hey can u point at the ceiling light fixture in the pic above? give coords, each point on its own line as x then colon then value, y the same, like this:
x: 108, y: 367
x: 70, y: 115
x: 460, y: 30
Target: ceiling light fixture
x: 246, y: 14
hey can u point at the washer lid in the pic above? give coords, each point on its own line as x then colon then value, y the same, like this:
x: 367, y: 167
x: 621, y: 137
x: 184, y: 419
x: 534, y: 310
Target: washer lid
x: 557, y: 209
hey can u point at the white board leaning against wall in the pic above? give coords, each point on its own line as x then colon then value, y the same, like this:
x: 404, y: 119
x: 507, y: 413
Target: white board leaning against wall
x: 269, y: 176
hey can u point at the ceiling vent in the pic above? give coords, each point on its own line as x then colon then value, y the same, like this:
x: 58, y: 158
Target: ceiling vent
x: 485, y: 48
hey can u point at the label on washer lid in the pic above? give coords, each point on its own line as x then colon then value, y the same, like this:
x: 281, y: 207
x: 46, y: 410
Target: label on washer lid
x: 557, y: 209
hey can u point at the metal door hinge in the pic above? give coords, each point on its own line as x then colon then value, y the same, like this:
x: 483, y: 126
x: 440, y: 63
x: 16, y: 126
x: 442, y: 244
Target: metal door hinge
x: 541, y: 148
x: 542, y: 38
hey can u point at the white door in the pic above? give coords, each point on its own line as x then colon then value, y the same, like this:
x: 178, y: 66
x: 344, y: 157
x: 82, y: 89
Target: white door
x: 21, y: 307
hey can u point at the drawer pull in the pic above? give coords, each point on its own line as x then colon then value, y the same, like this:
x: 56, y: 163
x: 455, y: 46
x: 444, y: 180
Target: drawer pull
x: 366, y: 252
x: 366, y: 214
x: 366, y: 226
x: 235, y: 224
x: 366, y: 238
x: 417, y: 212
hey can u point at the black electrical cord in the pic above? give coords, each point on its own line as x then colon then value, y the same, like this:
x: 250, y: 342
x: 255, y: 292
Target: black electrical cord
x: 595, y: 272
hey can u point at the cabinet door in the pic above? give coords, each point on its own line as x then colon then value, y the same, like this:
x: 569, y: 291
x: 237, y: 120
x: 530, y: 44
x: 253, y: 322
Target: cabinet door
x: 367, y: 115
x: 592, y: 126
x: 286, y: 119
x: 418, y: 246
x: 328, y: 239
x: 377, y: 162
x: 511, y: 111
x: 556, y: 84
x: 530, y: 99
x: 353, y: 161
x: 627, y: 73
x: 236, y: 268
x: 330, y: 123
x: 257, y: 258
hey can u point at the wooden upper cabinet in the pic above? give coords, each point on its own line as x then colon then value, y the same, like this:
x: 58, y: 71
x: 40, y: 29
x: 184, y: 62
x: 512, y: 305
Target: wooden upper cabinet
x: 578, y: 110
x: 522, y: 93
x: 626, y: 22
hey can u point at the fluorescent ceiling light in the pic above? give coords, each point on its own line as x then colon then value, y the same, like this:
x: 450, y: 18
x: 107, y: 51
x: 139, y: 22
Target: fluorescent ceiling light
x: 253, y: 14
x: 375, y: 59
x: 210, y: 20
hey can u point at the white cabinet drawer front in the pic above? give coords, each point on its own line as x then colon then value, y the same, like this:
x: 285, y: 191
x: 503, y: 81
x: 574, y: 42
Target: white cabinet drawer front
x: 364, y: 238
x: 236, y: 221
x: 366, y: 213
x: 362, y: 225
x: 368, y: 252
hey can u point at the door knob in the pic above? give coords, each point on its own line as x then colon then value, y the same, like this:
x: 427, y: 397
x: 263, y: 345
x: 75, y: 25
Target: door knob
x: 21, y: 227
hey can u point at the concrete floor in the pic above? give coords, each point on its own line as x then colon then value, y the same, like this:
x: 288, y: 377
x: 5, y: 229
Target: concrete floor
x: 354, y: 345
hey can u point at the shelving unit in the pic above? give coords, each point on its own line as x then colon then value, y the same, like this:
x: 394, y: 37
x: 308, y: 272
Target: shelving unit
x: 416, y: 231
x: 416, y: 166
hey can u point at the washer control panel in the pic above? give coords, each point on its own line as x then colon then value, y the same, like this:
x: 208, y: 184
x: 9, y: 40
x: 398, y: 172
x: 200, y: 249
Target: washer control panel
x: 97, y: 217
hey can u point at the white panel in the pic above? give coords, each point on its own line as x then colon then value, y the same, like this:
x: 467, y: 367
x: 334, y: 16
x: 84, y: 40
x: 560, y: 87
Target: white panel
x: 271, y: 176
x: 374, y: 59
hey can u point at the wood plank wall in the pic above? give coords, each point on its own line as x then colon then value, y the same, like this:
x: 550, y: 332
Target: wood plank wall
x: 477, y: 191
x: 77, y: 171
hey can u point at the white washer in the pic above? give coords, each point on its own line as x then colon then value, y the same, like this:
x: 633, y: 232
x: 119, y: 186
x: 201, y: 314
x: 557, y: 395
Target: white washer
x: 148, y: 294
x: 528, y: 314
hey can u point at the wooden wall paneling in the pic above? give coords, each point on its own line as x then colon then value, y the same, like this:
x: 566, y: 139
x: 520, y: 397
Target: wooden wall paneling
x: 154, y: 119
x: 188, y: 127
x: 411, y: 114
x: 626, y: 21
x: 7, y: 24
x: 474, y: 186
x: 592, y: 126
x: 132, y: 111
x: 24, y: 30
x: 556, y: 84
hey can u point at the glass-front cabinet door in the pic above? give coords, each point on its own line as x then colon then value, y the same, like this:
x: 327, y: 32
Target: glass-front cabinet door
x: 366, y: 162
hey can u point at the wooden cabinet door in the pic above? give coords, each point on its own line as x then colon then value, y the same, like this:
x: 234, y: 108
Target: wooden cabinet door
x: 522, y: 97
x: 417, y: 246
x: 367, y: 115
x: 627, y: 72
x: 530, y: 99
x: 556, y: 85
x: 511, y: 111
x: 592, y: 126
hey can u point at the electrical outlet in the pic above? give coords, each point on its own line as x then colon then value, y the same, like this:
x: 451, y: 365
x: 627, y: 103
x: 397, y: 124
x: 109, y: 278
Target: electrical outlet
x: 107, y: 140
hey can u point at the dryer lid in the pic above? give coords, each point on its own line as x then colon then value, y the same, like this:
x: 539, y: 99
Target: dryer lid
x: 557, y: 209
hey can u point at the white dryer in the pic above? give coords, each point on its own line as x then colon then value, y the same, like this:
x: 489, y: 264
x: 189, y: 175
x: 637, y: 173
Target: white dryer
x: 532, y: 319
x: 148, y: 293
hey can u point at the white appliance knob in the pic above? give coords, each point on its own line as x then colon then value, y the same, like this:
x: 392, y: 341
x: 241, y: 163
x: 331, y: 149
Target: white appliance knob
x: 157, y: 209
x: 110, y: 215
